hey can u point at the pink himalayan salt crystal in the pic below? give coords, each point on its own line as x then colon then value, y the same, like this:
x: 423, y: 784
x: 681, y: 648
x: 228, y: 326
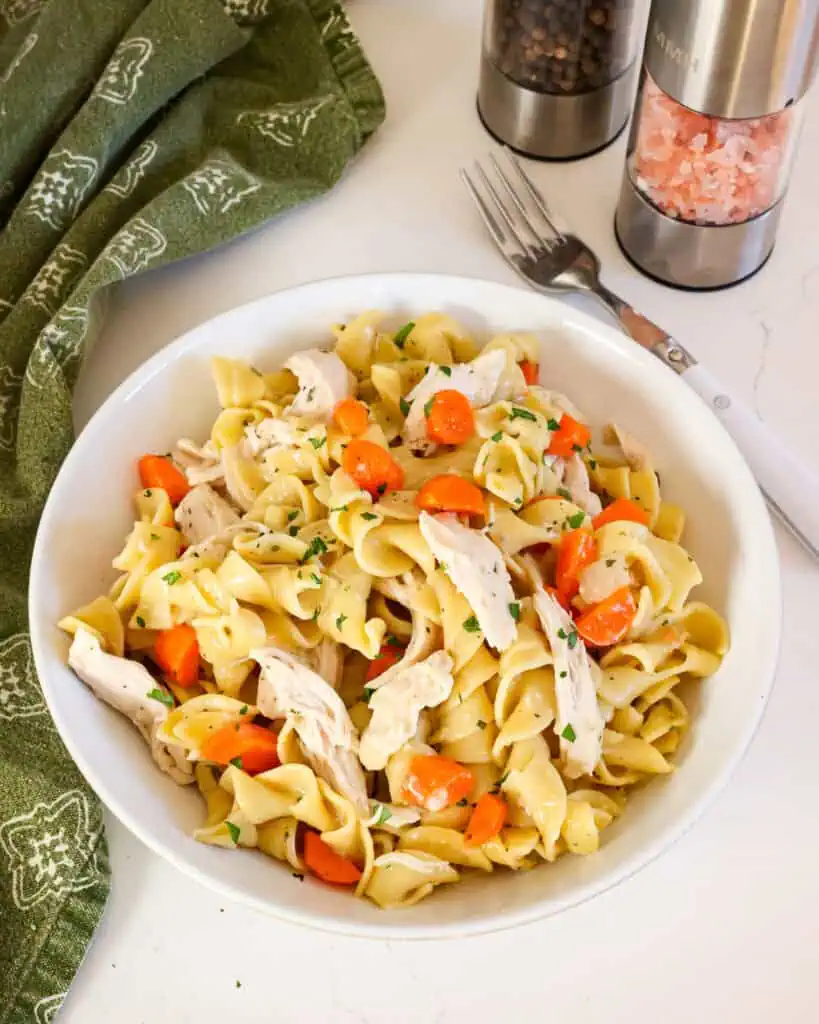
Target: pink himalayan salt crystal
x: 705, y: 169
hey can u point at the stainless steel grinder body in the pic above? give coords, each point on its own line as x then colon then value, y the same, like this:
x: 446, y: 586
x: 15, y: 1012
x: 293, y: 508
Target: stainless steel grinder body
x: 715, y: 127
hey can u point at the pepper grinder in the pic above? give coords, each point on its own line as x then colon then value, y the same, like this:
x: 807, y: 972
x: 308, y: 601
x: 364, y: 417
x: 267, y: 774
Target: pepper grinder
x: 719, y: 106
x: 557, y: 75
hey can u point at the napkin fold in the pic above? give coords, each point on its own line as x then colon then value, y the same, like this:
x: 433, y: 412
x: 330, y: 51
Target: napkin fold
x: 132, y: 133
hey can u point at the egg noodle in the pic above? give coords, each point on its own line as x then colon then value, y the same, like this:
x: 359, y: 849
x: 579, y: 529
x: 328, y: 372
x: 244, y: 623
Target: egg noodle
x: 404, y: 614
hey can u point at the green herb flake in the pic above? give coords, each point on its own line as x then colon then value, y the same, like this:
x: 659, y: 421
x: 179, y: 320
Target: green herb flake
x: 446, y: 370
x: 481, y: 724
x: 292, y: 514
x: 317, y: 442
x: 236, y: 762
x: 514, y: 610
x: 502, y: 779
x: 572, y: 639
x: 577, y: 447
x: 403, y: 333
x: 609, y: 563
x: 522, y: 414
x: 233, y: 832
x: 367, y: 692
x: 463, y: 802
x: 174, y: 576
x: 369, y: 516
x: 154, y: 536
x: 403, y: 405
x: 161, y: 696
x: 563, y: 674
x: 471, y: 625
x: 552, y: 424
x: 428, y: 406
x: 593, y: 463
x: 140, y: 622
x: 340, y: 622
x: 148, y: 493
x: 569, y: 733
x: 497, y: 436
x: 293, y: 531
x: 315, y: 578
x: 562, y: 633
x: 244, y: 710
x: 298, y: 875
x: 315, y: 547
x: 384, y: 815
x: 564, y: 493
x: 576, y: 520
x: 341, y: 508
x: 393, y: 641
x: 316, y: 613
x: 238, y: 983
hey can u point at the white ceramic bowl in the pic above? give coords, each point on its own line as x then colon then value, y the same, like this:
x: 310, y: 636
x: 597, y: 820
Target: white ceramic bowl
x: 89, y: 513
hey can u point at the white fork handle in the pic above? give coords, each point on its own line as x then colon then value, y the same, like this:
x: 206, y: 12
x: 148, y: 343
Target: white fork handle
x: 791, y: 489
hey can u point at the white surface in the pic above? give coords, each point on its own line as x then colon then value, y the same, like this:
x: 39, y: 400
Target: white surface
x: 724, y: 926
x: 727, y: 531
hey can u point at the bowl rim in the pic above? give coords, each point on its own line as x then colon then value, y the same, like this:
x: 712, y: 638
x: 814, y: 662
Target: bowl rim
x: 767, y: 652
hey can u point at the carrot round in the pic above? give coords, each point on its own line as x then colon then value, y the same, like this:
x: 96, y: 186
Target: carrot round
x: 372, y: 467
x: 436, y: 782
x: 323, y: 861
x: 450, y: 419
x: 530, y: 371
x: 486, y: 821
x: 451, y: 493
x: 351, y: 416
x: 157, y: 471
x: 577, y: 550
x: 389, y: 655
x: 608, y: 622
x: 570, y: 436
x: 176, y: 651
x: 621, y: 510
x: 252, y: 747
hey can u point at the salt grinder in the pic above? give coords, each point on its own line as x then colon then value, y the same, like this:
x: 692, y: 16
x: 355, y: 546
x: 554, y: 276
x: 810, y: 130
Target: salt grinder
x: 557, y: 75
x: 719, y: 105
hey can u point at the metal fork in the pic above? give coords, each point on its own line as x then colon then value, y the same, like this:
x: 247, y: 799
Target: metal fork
x: 549, y: 257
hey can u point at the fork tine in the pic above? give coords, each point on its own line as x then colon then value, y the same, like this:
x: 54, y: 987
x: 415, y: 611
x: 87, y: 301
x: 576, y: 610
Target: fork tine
x: 495, y: 230
x: 507, y: 184
x: 507, y: 219
x: 537, y: 197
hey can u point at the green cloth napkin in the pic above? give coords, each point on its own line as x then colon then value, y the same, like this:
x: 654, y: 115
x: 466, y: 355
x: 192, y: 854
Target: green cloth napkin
x: 132, y: 133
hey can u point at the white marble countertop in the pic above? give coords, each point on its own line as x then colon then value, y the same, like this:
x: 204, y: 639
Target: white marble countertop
x: 723, y: 927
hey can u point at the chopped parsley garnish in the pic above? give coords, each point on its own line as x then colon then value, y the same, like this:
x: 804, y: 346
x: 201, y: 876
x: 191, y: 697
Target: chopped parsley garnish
x: 233, y: 831
x: 340, y: 622
x: 463, y: 802
x: 315, y: 578
x: 154, y: 536
x: 393, y: 641
x: 341, y: 508
x: 446, y: 370
x: 572, y: 640
x: 569, y: 733
x: 147, y: 493
x: 577, y: 447
x: 174, y: 576
x: 497, y: 436
x: 291, y: 515
x: 367, y: 693
x: 316, y: 613
x: 502, y: 779
x: 140, y: 622
x: 564, y: 493
x: 315, y: 547
x: 244, y: 710
x: 403, y: 405
x: 481, y: 724
x: 317, y: 442
x: 593, y: 463
x: 563, y: 674
x: 514, y: 611
x: 236, y: 762
x: 403, y: 333
x: 552, y: 424
x: 428, y: 406
x: 369, y: 515
x: 522, y: 414
x: 471, y: 625
x: 298, y: 875
x: 561, y: 633
x: 576, y: 520
x: 161, y: 696
x: 293, y: 531
x: 609, y: 563
x: 384, y: 814
x: 381, y: 489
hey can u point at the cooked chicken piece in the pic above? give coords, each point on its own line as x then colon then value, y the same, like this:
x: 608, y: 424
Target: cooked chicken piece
x: 391, y: 817
x: 203, y: 513
x: 477, y: 380
x: 476, y: 566
x: 270, y: 433
x: 126, y: 686
x: 288, y: 689
x: 328, y: 660
x: 323, y: 381
x: 602, y: 578
x: 634, y: 452
x: 201, y: 465
x: 579, y: 722
x: 576, y: 482
x: 398, y: 703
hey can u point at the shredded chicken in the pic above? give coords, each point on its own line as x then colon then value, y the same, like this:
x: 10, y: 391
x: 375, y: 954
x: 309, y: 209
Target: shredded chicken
x: 579, y: 722
x: 323, y: 381
x: 634, y: 452
x: 475, y: 564
x: 126, y: 686
x: 203, y: 513
x: 290, y: 690
x: 270, y: 433
x: 576, y: 482
x: 201, y: 465
x: 397, y: 704
x: 328, y: 659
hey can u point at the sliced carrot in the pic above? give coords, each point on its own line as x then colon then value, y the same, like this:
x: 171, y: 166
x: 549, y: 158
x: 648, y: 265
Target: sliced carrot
x: 436, y: 782
x: 450, y: 419
x: 389, y: 655
x: 157, y: 471
x: 577, y: 550
x: 176, y: 651
x: 608, y: 622
x: 569, y: 437
x: 372, y: 467
x: 451, y: 493
x: 351, y: 416
x: 486, y: 821
x: 621, y: 510
x: 530, y: 371
x: 252, y: 747
x: 323, y: 861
